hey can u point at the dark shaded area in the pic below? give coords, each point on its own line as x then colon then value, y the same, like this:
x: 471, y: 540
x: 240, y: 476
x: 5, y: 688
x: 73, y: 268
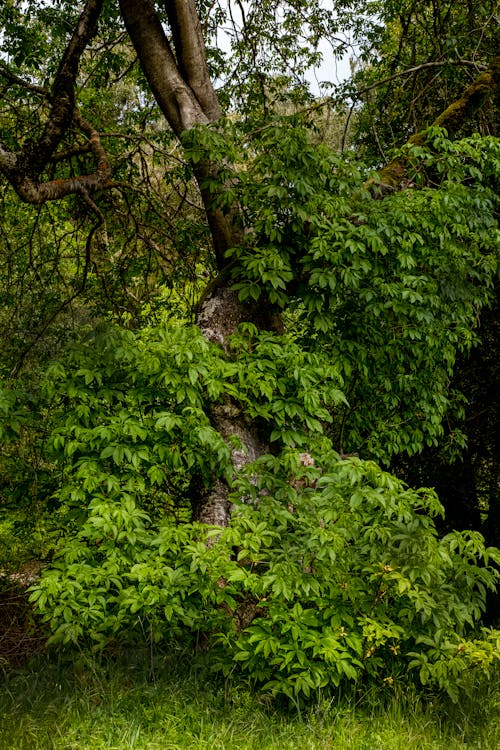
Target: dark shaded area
x: 21, y: 635
x: 469, y: 486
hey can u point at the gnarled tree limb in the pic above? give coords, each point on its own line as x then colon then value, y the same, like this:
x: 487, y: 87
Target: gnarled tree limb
x: 35, y: 156
x: 23, y: 169
x: 486, y: 85
x: 32, y: 191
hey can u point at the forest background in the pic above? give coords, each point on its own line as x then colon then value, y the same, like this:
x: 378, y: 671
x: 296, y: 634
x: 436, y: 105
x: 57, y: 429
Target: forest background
x: 242, y: 326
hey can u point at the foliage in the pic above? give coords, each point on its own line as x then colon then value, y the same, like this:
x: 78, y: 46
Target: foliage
x: 426, y: 54
x: 327, y: 574
x: 26, y: 480
x: 132, y: 701
x: 130, y: 411
x: 390, y: 288
x: 331, y: 571
x: 351, y: 581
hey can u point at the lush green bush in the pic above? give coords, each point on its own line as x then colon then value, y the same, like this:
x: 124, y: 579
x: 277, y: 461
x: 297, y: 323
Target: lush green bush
x: 330, y: 572
x: 391, y: 289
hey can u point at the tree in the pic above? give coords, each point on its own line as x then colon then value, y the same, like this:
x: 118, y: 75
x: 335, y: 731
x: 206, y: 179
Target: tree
x: 177, y: 72
x: 310, y: 249
x: 178, y: 76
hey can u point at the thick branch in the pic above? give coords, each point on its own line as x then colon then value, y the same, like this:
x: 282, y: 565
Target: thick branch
x: 173, y: 95
x: 453, y: 117
x: 30, y: 191
x: 189, y: 46
x: 23, y: 169
x: 181, y: 88
x: 471, y: 100
x: 35, y: 156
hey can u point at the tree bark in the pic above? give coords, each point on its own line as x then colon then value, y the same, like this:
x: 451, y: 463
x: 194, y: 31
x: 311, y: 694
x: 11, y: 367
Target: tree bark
x: 190, y: 51
x: 62, y: 96
x: 180, y: 81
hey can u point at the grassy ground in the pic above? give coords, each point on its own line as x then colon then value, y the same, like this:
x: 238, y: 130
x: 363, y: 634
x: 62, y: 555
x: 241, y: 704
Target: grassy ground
x: 122, y: 706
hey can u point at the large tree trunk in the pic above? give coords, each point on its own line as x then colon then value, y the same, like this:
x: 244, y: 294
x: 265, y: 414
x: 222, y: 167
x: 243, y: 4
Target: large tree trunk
x: 219, y: 318
x: 182, y: 87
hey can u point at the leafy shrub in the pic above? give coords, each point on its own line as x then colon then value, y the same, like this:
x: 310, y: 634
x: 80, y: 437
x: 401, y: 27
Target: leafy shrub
x: 390, y: 288
x: 351, y: 580
x: 331, y: 569
x: 329, y: 572
x: 133, y: 410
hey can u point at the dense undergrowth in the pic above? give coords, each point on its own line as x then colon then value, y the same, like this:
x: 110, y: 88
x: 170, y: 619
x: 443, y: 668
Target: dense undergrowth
x: 172, y: 702
x: 333, y: 575
x: 331, y: 570
x: 168, y: 698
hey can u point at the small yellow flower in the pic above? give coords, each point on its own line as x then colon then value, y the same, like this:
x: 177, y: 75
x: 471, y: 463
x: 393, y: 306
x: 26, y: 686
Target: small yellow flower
x: 389, y: 680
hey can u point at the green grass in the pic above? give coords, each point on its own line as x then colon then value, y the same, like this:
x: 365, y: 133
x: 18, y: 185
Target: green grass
x: 118, y: 706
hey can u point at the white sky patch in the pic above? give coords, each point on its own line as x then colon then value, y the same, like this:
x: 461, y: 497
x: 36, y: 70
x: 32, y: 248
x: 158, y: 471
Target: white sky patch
x: 332, y: 70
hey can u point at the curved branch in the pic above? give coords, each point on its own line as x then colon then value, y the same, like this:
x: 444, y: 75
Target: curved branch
x: 18, y: 81
x: 31, y: 191
x: 174, y: 93
x: 35, y: 156
x: 471, y: 100
x: 452, y: 118
x: 24, y: 168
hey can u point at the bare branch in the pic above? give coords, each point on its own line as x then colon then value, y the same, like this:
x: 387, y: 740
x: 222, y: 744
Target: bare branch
x: 417, y: 68
x: 24, y: 168
x: 18, y: 81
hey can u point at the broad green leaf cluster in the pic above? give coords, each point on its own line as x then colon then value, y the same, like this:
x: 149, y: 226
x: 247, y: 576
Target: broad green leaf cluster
x: 329, y: 572
x: 138, y: 422
x: 391, y: 288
